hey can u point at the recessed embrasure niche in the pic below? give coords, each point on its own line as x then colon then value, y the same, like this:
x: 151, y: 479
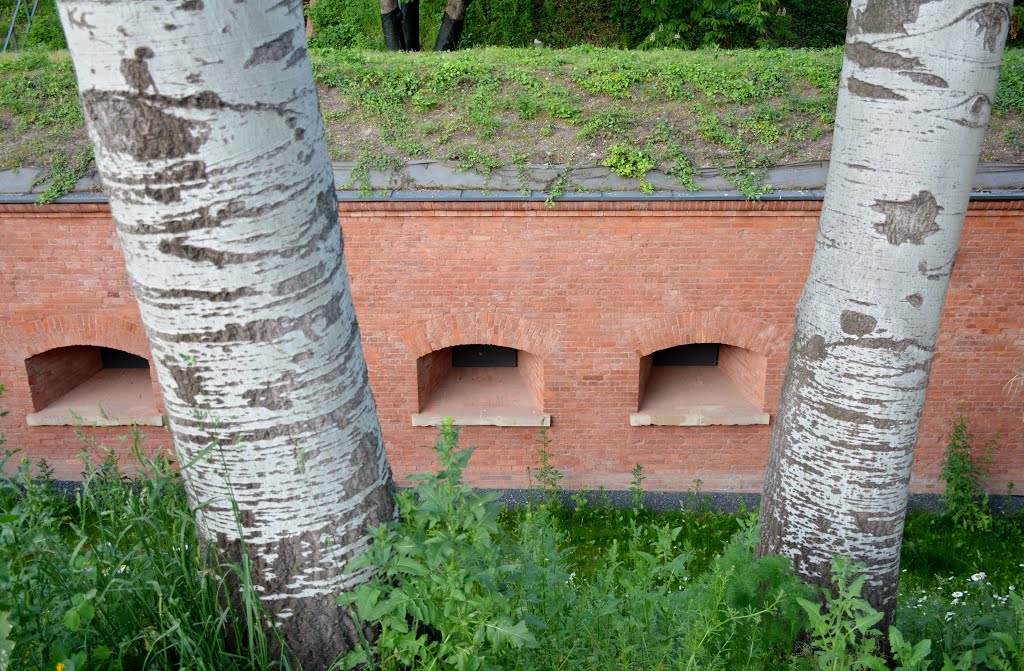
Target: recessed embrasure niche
x: 480, y: 385
x: 94, y: 386
x: 701, y: 384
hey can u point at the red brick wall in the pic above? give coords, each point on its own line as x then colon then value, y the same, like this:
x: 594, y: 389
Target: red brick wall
x: 532, y: 370
x: 646, y: 364
x: 54, y: 373
x: 431, y: 371
x: 746, y: 370
x: 62, y: 283
x: 587, y: 288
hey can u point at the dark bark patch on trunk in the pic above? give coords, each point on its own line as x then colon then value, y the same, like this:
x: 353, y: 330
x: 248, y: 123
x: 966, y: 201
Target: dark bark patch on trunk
x: 973, y: 111
x: 179, y: 248
x: 299, y: 282
x: 885, y: 16
x: 264, y: 330
x: 298, y: 56
x: 187, y: 380
x: 888, y: 344
x: 927, y: 79
x: 202, y: 219
x: 269, y: 397
x: 167, y: 194
x: 915, y: 299
x: 842, y: 413
x: 863, y: 89
x: 993, y: 18
x: 191, y: 5
x: 154, y: 134
x: 269, y: 52
x: 170, y: 26
x: 213, y: 296
x: 910, y: 220
x: 136, y: 72
x: 868, y: 56
x: 857, y: 323
x: 814, y: 349
x: 872, y: 526
x: 183, y: 171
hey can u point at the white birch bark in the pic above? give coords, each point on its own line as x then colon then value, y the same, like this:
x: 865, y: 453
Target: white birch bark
x: 207, y: 133
x: 915, y: 94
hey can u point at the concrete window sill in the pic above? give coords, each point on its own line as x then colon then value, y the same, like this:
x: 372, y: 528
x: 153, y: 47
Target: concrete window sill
x: 111, y: 397
x: 695, y: 396
x: 483, y: 419
x: 483, y: 397
x: 700, y: 417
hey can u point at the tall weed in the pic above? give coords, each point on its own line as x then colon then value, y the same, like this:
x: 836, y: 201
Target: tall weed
x: 114, y: 578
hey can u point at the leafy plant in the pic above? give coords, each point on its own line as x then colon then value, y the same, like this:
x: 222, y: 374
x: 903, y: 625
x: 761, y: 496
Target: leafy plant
x: 64, y: 176
x: 629, y: 161
x: 727, y: 23
x: 965, y: 471
x: 636, y: 486
x: 842, y: 633
x: 437, y: 596
x: 545, y: 474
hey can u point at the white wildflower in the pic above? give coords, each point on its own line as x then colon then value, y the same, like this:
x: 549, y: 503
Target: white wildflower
x: 949, y: 616
x: 978, y: 577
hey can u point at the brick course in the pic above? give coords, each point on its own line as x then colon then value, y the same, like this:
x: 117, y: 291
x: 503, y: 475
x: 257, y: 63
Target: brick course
x: 588, y: 288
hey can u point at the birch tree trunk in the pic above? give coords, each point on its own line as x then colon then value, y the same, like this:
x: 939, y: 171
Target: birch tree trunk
x: 450, y: 32
x: 207, y: 133
x: 915, y: 94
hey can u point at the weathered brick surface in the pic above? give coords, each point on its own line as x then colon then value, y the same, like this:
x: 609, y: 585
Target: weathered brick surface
x: 53, y: 373
x: 589, y: 289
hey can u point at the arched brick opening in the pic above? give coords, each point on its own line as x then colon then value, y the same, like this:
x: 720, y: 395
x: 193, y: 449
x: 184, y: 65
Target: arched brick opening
x: 702, y: 368
x: 90, y: 369
x: 507, y: 389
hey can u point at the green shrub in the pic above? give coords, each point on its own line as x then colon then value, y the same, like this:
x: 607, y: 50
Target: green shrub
x: 629, y: 161
x: 340, y: 24
x: 720, y: 23
x: 457, y: 588
x: 965, y: 471
x: 46, y: 32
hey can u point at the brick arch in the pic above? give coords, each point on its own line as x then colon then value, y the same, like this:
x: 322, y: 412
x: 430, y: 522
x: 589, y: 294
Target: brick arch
x: 686, y: 328
x: 478, y: 328
x: 52, y: 332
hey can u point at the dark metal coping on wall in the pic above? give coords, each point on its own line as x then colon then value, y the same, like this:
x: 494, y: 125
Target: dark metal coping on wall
x: 470, y: 196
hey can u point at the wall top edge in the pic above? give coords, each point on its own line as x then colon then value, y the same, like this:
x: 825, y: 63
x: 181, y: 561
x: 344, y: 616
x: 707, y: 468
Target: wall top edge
x: 445, y: 181
x: 471, y: 196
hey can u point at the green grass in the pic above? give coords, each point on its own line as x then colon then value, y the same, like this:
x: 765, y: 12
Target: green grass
x: 740, y: 111
x: 115, y: 578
